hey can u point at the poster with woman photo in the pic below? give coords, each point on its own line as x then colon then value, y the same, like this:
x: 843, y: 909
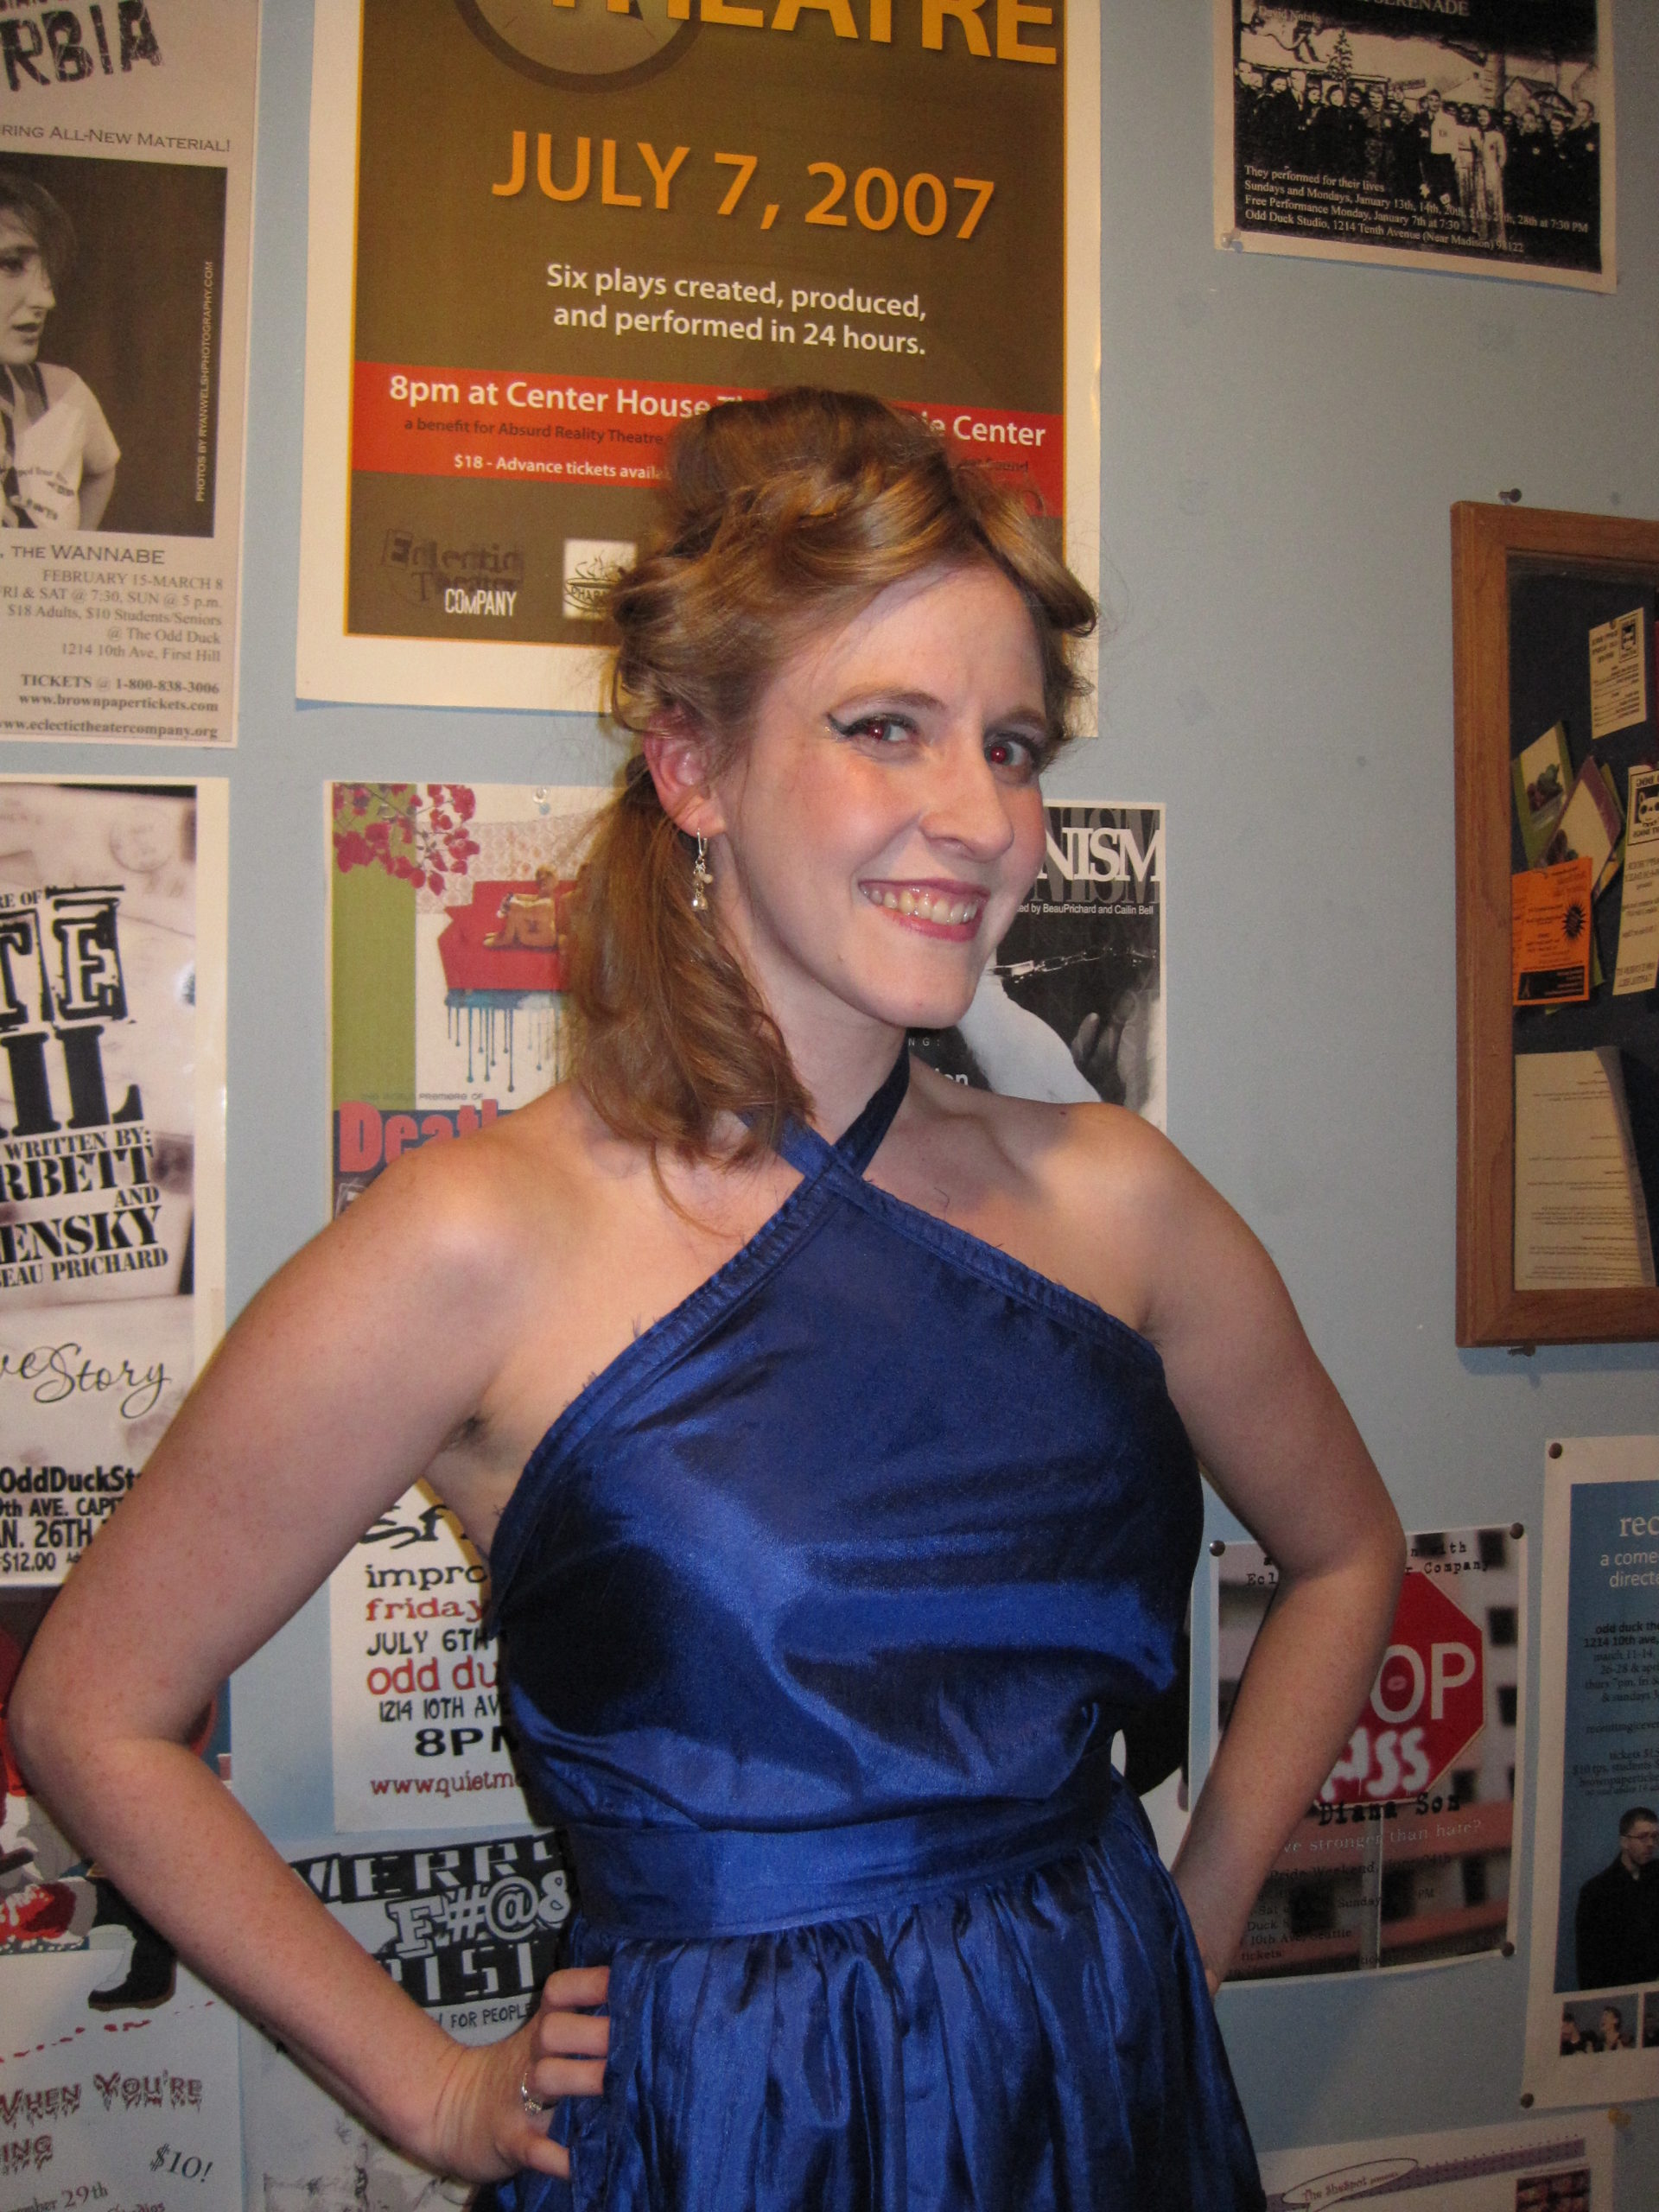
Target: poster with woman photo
x: 126, y: 172
x: 1477, y: 136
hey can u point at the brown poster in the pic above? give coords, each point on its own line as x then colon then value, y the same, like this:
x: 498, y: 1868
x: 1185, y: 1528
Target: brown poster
x: 576, y: 226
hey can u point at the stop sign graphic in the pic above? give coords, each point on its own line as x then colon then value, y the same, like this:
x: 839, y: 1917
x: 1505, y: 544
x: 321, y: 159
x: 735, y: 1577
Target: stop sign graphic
x: 1427, y: 1705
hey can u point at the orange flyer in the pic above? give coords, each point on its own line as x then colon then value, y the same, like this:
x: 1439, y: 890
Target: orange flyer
x: 1550, y: 940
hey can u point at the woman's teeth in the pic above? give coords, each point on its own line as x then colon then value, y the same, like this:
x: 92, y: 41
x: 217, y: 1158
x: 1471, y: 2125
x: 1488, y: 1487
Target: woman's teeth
x: 925, y: 905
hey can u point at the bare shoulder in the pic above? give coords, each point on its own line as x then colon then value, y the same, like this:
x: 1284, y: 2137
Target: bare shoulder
x: 472, y: 1203
x: 434, y: 1254
x: 1102, y: 1160
x: 1091, y: 1195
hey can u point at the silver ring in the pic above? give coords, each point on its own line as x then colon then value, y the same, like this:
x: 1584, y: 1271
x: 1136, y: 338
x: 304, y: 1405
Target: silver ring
x: 533, y: 2106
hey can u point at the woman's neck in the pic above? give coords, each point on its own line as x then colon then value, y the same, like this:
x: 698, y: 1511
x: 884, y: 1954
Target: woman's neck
x: 842, y: 1066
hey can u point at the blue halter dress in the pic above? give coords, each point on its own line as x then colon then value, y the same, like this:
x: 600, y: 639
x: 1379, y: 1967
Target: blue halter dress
x: 820, y: 1609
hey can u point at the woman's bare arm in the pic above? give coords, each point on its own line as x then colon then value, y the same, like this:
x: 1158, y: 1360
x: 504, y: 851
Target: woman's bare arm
x: 1280, y: 1448
x: 335, y: 1390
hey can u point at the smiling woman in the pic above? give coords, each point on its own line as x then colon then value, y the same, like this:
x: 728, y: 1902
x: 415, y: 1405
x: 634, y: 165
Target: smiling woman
x: 832, y: 1431
x: 829, y: 522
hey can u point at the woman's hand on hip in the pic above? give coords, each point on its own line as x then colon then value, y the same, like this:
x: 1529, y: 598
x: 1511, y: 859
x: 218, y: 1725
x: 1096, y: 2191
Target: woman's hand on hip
x: 485, y: 2128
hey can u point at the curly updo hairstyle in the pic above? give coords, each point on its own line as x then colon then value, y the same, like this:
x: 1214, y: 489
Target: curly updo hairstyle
x: 779, y: 517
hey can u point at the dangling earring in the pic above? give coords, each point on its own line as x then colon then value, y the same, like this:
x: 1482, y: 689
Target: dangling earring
x: 701, y: 878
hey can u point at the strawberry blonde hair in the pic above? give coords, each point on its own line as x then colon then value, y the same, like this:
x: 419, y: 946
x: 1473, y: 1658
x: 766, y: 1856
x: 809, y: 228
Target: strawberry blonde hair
x: 779, y: 517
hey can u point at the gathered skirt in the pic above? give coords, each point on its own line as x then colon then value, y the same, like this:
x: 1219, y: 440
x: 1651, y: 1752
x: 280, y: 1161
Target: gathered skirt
x: 1042, y: 2043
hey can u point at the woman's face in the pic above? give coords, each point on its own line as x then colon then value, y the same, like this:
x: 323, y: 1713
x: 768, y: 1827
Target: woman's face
x: 26, y: 294
x: 884, y: 821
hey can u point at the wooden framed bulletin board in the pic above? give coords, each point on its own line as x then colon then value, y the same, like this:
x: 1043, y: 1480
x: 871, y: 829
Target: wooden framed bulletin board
x: 1558, y: 926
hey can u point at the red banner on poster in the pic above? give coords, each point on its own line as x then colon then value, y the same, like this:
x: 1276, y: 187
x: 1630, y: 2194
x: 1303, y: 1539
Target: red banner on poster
x: 499, y: 427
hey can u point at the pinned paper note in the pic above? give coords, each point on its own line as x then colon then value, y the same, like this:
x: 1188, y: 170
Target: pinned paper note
x: 1619, y: 674
x: 1580, y: 1213
x: 1550, y: 939
x: 1590, y: 826
x: 1638, y: 968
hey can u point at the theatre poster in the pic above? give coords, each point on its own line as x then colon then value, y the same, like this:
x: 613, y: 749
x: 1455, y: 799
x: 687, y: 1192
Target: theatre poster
x: 127, y: 145
x: 1592, y: 1998
x: 117, y: 2071
x: 575, y: 227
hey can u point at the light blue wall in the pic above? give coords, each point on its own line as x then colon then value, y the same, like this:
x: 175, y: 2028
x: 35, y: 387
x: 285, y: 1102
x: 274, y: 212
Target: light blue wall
x: 1282, y: 441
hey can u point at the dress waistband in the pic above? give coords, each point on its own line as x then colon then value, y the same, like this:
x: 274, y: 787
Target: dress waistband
x: 671, y: 1884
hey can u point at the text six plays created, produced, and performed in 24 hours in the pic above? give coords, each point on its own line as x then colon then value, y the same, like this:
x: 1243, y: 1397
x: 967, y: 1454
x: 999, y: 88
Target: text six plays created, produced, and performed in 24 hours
x: 624, y: 220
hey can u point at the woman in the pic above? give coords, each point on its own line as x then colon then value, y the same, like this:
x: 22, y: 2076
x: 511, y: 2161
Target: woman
x: 57, y: 452
x: 838, y: 1513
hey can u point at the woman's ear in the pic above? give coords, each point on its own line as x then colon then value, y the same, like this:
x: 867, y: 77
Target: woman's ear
x: 678, y: 757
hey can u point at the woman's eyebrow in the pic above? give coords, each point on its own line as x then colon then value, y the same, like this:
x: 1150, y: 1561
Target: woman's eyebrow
x: 897, y: 696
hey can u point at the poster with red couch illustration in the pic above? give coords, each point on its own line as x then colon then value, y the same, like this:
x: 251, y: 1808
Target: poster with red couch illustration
x: 448, y: 924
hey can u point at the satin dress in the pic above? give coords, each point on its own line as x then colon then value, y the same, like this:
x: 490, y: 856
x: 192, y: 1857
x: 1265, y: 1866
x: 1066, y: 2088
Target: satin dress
x: 821, y: 1606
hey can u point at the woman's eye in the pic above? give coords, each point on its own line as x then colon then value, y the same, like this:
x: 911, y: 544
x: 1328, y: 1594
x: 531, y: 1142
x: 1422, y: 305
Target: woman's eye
x: 885, y: 729
x: 1014, y: 756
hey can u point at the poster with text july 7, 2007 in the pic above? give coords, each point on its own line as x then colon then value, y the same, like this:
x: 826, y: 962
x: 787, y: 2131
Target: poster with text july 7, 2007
x: 449, y: 932
x: 126, y: 205
x: 576, y: 226
x: 1593, y: 1990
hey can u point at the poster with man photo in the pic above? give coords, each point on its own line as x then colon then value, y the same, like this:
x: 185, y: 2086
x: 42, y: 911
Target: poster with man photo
x: 1594, y: 1977
x: 1473, y: 138
x: 125, y: 200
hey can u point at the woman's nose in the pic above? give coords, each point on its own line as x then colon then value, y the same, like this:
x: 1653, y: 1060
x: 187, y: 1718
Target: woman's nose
x: 966, y: 805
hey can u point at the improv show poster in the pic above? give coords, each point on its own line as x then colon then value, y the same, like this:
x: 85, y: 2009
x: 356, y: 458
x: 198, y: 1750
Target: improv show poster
x: 1071, y: 1007
x: 1407, y: 1856
x: 471, y: 1931
x: 1472, y: 134
x: 577, y: 226
x: 448, y: 912
x: 126, y: 192
x: 1526, y: 2166
x: 1592, y: 1999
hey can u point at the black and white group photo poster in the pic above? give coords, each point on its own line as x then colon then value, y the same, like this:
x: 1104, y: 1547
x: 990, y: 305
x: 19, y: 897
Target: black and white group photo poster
x: 117, y: 2070
x: 576, y: 227
x: 1593, y: 1992
x: 126, y: 201
x: 1473, y: 135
